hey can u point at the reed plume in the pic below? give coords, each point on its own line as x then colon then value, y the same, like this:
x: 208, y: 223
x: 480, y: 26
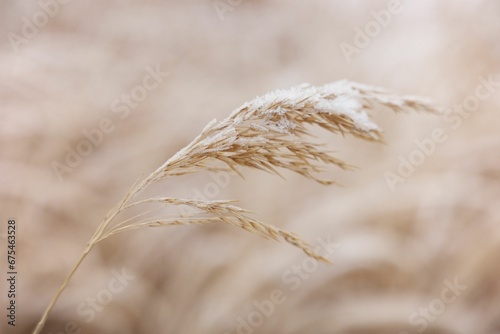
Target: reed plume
x: 269, y: 133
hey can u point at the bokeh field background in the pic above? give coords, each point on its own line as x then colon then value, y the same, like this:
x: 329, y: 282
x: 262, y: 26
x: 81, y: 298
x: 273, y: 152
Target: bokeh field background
x: 414, y: 231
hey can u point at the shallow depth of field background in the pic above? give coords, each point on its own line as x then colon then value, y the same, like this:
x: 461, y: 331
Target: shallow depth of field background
x: 394, y: 248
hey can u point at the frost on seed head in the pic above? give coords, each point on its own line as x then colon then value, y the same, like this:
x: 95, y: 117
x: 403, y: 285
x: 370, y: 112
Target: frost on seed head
x: 274, y: 130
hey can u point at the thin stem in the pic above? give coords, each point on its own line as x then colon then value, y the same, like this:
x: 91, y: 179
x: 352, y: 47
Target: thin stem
x: 125, y: 222
x: 93, y: 241
x: 45, y: 316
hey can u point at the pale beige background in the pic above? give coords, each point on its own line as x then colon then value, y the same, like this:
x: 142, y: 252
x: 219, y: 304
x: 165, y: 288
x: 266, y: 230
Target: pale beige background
x: 396, y: 248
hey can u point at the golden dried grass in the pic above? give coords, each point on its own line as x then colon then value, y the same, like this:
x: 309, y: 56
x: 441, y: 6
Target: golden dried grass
x: 266, y: 133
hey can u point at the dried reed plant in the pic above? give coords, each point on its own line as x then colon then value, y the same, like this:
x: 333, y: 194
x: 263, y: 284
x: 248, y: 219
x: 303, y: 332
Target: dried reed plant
x: 267, y: 133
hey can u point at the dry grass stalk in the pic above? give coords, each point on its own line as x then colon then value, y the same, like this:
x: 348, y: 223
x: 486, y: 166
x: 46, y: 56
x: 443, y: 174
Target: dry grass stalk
x: 266, y: 133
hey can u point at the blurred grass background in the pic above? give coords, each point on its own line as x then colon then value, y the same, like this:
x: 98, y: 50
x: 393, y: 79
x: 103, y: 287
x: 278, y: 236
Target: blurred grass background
x: 396, y: 248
